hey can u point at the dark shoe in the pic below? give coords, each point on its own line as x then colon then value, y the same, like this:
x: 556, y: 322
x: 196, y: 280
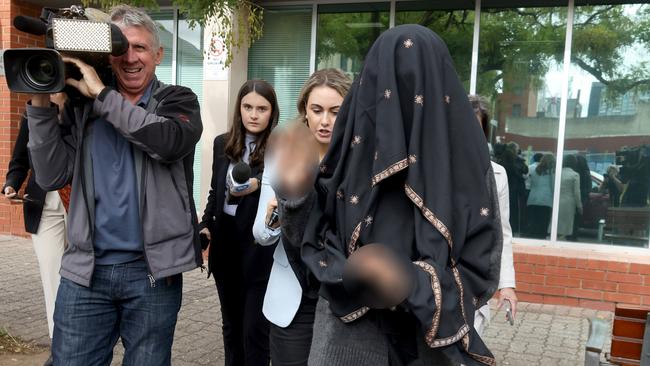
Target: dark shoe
x: 49, y: 361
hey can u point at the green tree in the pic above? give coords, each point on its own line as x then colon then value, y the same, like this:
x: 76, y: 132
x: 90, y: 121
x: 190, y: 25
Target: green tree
x: 239, y: 21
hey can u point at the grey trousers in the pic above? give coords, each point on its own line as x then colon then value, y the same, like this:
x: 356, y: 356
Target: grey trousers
x: 359, y: 343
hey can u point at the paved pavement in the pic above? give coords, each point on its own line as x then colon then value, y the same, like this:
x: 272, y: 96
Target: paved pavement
x: 542, y: 334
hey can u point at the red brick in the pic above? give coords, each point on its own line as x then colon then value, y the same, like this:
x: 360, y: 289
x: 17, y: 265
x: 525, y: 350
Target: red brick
x: 562, y: 281
x: 646, y: 281
x: 598, y: 305
x: 551, y: 270
x: 538, y: 299
x: 520, y: 257
x: 586, y: 274
x: 537, y: 259
x: 551, y: 260
x: 640, y: 268
x: 634, y: 289
x: 622, y: 298
x: 623, y: 277
x: 584, y: 294
x: 524, y: 268
x: 523, y: 287
x: 618, y: 267
x: 558, y: 300
x: 530, y: 278
x: 600, y: 285
x: 581, y: 263
x: 548, y: 290
x: 645, y: 300
x: 596, y: 264
x: 567, y: 262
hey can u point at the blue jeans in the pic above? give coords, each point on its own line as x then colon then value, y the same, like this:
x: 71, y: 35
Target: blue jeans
x: 121, y: 302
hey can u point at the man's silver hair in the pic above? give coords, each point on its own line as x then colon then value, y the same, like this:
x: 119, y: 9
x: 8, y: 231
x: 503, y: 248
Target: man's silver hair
x: 129, y: 16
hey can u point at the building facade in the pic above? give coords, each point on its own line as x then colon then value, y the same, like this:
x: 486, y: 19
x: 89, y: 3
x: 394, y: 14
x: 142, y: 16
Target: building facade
x: 562, y: 78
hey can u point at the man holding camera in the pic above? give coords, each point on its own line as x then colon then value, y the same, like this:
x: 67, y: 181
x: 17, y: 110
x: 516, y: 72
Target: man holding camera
x: 132, y: 220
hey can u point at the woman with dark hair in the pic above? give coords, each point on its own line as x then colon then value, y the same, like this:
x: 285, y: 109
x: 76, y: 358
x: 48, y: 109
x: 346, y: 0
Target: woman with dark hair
x: 582, y: 168
x: 540, y: 199
x: 290, y: 300
x: 570, y: 201
x: 240, y: 267
x: 407, y: 173
x: 507, y: 274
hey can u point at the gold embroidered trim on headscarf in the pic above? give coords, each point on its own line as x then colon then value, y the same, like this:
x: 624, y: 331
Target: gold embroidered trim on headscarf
x: 394, y: 168
x: 480, y: 358
x: 450, y: 340
x: 354, y: 315
x: 352, y: 246
x: 439, y: 225
x: 437, y: 295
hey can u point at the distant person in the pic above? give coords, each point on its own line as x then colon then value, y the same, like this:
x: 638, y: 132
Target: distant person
x: 516, y: 169
x: 291, y: 296
x: 44, y: 216
x: 537, y: 157
x: 507, y: 274
x: 540, y: 199
x: 612, y: 185
x: 570, y: 201
x: 240, y: 267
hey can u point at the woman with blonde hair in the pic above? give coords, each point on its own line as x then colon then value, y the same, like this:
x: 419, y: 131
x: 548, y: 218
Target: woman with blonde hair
x: 292, y: 293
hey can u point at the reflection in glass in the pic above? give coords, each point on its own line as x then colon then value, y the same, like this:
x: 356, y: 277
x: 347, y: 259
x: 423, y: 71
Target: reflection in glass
x: 608, y: 122
x: 281, y: 56
x: 346, y: 32
x: 519, y: 71
x: 165, y: 21
x: 455, y: 27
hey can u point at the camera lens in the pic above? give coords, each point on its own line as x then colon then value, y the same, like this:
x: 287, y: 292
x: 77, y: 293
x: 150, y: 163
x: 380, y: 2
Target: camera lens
x: 41, y: 71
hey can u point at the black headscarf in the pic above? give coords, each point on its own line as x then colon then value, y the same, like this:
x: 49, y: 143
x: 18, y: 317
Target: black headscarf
x: 408, y: 167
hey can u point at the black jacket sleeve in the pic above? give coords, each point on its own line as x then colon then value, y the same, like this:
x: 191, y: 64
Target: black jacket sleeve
x: 19, y: 163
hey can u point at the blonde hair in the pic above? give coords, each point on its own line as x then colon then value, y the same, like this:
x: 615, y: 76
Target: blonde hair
x: 331, y: 78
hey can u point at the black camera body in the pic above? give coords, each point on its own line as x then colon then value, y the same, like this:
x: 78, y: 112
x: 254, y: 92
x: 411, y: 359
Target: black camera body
x: 86, y: 34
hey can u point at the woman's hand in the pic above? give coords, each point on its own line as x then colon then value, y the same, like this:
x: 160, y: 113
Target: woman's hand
x: 254, y: 186
x: 295, y: 151
x: 206, y: 232
x: 270, y: 207
x: 9, y: 192
x: 509, y: 294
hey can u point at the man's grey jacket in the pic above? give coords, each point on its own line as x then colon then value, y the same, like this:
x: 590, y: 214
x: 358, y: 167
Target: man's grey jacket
x: 163, y: 135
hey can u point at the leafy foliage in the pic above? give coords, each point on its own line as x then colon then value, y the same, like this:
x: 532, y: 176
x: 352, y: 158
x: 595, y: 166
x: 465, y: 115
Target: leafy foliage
x: 239, y: 22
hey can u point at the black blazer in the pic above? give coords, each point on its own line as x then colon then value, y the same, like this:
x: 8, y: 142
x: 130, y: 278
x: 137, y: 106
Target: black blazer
x: 19, y: 167
x: 213, y: 214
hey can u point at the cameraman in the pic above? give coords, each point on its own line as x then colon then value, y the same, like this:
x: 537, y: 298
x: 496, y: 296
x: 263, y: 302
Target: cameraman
x: 132, y: 228
x: 635, y: 175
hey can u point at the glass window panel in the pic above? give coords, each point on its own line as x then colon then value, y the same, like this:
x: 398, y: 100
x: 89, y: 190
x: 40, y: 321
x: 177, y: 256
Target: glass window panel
x: 346, y: 32
x: 520, y: 73
x: 281, y: 56
x: 454, y: 26
x: 165, y: 21
x: 608, y: 128
x: 189, y: 73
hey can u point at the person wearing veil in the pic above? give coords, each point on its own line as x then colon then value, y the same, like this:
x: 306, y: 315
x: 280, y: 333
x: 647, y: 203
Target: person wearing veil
x: 408, y: 168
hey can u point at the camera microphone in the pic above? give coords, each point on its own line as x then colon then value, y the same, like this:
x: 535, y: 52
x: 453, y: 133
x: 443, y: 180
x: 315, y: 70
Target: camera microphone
x: 119, y: 42
x: 30, y: 25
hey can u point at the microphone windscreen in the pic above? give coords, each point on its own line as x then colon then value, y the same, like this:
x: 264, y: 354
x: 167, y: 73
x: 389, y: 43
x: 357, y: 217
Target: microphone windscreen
x: 30, y: 25
x: 241, y: 172
x: 119, y: 42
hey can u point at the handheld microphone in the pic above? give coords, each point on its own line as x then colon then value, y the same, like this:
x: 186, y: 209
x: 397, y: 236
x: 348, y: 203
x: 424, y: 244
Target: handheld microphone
x: 237, y: 180
x: 239, y: 177
x: 30, y: 25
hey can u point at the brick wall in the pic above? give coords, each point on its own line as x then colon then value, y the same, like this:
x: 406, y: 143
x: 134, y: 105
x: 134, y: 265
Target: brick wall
x: 581, y: 277
x: 12, y: 106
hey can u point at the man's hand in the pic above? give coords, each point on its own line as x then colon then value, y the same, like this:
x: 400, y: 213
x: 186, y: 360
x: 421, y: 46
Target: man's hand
x: 40, y: 100
x: 90, y: 85
x: 9, y: 192
x: 508, y: 293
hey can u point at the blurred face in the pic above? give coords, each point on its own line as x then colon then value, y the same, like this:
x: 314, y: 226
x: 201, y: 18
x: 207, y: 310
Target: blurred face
x: 135, y: 69
x: 255, y: 112
x: 322, y: 107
